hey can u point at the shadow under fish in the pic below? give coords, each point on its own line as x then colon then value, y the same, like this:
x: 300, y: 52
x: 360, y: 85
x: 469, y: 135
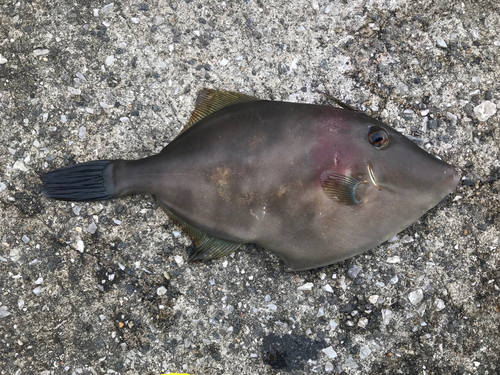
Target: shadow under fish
x: 313, y: 184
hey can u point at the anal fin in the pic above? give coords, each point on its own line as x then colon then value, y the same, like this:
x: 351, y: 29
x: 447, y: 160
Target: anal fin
x: 206, y: 247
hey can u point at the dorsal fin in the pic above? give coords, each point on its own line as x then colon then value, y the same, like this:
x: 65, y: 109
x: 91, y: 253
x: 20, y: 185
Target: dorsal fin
x: 210, y: 101
x: 339, y: 102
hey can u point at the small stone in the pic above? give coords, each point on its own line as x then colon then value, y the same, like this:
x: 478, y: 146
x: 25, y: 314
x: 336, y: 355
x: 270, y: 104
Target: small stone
x: 176, y: 233
x: 439, y: 304
x: 306, y: 286
x: 440, y: 42
x: 25, y: 239
x: 3, y: 60
x: 76, y: 210
x: 82, y: 132
x: 2, y: 186
x: 80, y: 246
x: 117, y: 222
x: 350, y: 363
x: 416, y: 296
x: 330, y: 352
x: 333, y: 324
x: 364, y: 352
x: 328, y: 288
x: 272, y: 307
x: 328, y: 367
x: 134, y: 19
x: 92, y: 228
x: 224, y: 61
x: 393, y: 260
x: 20, y: 165
x: 161, y: 291
x: 353, y: 271
x: 20, y: 304
x: 38, y: 290
x: 63, y: 119
x: 321, y: 312
x: 362, y: 322
x: 373, y: 299
x: 40, y: 52
x: 74, y: 91
x: 107, y: 8
x: 159, y: 20
x: 386, y: 316
x: 343, y: 285
x: 407, y: 239
x: 179, y: 260
x: 110, y: 60
x: 39, y: 281
x: 485, y: 110
x: 3, y: 312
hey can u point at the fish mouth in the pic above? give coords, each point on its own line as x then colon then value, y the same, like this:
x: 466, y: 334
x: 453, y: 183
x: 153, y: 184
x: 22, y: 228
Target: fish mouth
x: 371, y: 174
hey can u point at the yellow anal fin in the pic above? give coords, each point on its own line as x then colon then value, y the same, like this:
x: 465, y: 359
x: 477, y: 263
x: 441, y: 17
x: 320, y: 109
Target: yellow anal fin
x: 210, y: 101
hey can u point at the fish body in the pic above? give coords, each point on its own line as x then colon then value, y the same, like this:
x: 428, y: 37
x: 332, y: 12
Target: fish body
x: 313, y: 184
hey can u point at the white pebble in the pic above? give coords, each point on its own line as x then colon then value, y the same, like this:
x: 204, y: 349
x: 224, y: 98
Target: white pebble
x: 362, y: 322
x: 386, y: 316
x: 2, y: 186
x: 3, y: 60
x: 351, y: 363
x: 364, y: 352
x: 439, y: 304
x: 80, y: 246
x: 110, y: 60
x: 25, y: 239
x: 328, y: 367
x: 224, y: 61
x: 306, y: 286
x: 179, y: 260
x: 40, y: 52
x: 74, y: 91
x: 3, y: 312
x: 321, y: 312
x: 333, y: 324
x: 107, y: 8
x: 373, y: 299
x: 416, y: 296
x: 63, y: 119
x: 82, y: 132
x: 440, y: 42
x: 330, y: 352
x: 272, y: 307
x: 39, y: 281
x: 38, y: 290
x: 20, y: 165
x: 161, y: 291
x: 393, y: 260
x: 20, y: 304
x: 328, y: 288
x: 176, y: 233
x: 485, y: 110
x: 134, y: 19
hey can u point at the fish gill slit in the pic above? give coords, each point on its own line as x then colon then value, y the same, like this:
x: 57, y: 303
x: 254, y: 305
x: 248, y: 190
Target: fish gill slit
x: 372, y: 175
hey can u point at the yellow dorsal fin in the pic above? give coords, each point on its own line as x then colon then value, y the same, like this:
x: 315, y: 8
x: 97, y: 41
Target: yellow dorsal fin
x: 210, y: 101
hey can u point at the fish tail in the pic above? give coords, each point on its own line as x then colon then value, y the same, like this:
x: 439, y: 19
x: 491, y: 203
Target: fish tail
x: 92, y: 181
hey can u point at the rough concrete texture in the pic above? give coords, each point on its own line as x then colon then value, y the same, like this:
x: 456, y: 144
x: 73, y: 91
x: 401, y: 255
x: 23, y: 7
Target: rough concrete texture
x: 101, y: 288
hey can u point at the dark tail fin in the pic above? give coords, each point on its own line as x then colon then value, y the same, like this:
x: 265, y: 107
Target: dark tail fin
x: 90, y: 181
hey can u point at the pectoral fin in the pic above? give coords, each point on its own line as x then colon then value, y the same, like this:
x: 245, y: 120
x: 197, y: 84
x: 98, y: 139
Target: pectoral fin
x: 339, y: 187
x: 206, y: 246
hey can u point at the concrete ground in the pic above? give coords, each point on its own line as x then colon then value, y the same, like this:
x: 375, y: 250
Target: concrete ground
x: 104, y: 288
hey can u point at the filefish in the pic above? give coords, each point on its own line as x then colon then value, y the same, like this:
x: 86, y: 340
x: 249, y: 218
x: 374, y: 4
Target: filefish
x: 313, y: 184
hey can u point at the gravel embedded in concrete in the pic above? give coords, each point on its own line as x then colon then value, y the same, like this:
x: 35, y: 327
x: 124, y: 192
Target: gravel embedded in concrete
x: 86, y: 80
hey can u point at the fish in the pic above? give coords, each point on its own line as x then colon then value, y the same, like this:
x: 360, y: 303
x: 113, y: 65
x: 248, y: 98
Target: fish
x: 313, y: 184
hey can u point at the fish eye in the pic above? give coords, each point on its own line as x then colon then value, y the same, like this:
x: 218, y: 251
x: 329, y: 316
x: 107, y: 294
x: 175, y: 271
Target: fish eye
x: 378, y: 138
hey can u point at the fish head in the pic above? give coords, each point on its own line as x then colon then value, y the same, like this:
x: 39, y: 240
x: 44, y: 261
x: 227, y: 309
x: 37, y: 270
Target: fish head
x: 395, y: 171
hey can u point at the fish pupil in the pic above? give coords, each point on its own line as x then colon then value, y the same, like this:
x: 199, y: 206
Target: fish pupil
x: 376, y: 138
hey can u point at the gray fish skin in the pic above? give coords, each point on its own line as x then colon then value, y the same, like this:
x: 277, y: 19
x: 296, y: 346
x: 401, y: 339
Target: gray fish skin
x: 252, y: 173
